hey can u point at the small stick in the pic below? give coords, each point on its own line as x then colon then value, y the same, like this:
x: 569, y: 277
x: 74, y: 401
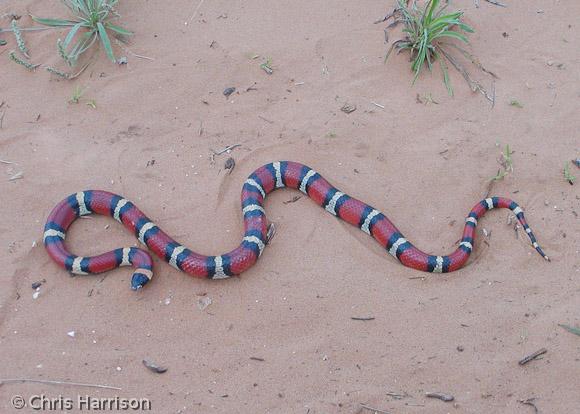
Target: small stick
x: 265, y: 119
x: 226, y: 149
x: 533, y: 356
x: 6, y: 162
x: 257, y: 359
x: 293, y: 200
x: 496, y: 3
x: 368, y: 318
x: 387, y: 17
x: 2, y: 120
x: 530, y: 401
x: 17, y: 176
x: 379, y: 105
x: 195, y: 12
x: 271, y: 232
x: 126, y: 49
x: 78, y: 384
x: 27, y: 29
x: 375, y: 410
x: 396, y: 395
x: 440, y: 396
x: 474, y: 85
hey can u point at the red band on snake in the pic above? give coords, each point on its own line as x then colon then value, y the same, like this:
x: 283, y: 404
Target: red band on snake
x: 259, y: 184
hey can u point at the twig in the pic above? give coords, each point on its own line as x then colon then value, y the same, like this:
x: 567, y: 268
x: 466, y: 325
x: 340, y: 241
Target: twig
x: 440, y: 396
x: 265, y: 119
x: 472, y: 59
x: 396, y: 395
x: 226, y: 149
x: 474, y: 85
x: 496, y: 3
x: 533, y: 356
x: 126, y: 49
x: 387, y: 17
x: 270, y: 232
x: 78, y: 384
x: 17, y: 176
x: 368, y: 318
x: 292, y: 200
x: 28, y: 29
x: 379, y: 105
x: 257, y: 359
x: 375, y: 410
x: 6, y: 162
x: 530, y: 401
x: 194, y: 12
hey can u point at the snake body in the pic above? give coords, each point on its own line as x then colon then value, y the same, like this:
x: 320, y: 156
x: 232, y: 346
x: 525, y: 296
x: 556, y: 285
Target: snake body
x: 259, y: 184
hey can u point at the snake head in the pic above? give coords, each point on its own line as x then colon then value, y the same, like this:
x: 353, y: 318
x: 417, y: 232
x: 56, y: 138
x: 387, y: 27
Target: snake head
x: 140, y: 278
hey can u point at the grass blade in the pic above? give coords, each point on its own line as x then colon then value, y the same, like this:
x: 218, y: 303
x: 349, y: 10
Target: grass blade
x: 53, y: 22
x: 106, y: 42
x: 450, y: 33
x: 118, y: 29
x: 73, y: 31
x: 571, y: 329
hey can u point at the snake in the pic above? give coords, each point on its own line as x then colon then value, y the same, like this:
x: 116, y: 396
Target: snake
x: 259, y: 184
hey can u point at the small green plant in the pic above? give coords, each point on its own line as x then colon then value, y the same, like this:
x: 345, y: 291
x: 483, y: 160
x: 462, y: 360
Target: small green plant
x: 568, y: 175
x: 427, y: 30
x: 77, y: 94
x: 516, y: 103
x: 267, y: 66
x: 506, y: 162
x: 91, y: 23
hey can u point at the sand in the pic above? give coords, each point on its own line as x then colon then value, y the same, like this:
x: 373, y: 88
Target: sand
x: 281, y: 338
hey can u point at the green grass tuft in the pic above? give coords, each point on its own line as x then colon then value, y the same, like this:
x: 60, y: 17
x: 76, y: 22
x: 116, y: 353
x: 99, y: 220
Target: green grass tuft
x: 507, y: 164
x: 425, y: 30
x: 516, y: 103
x: 568, y: 176
x: 91, y: 24
x: 77, y: 94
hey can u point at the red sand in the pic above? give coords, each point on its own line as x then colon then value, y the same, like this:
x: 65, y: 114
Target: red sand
x: 294, y: 308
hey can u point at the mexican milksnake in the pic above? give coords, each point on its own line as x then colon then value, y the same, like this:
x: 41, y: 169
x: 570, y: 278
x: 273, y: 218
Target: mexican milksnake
x: 260, y: 183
